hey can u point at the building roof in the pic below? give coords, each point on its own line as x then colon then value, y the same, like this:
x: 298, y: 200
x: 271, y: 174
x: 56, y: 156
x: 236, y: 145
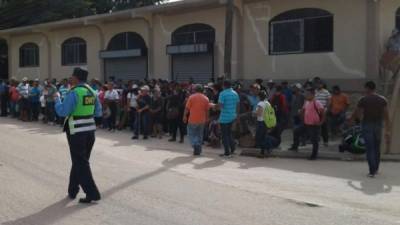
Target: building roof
x: 124, y: 14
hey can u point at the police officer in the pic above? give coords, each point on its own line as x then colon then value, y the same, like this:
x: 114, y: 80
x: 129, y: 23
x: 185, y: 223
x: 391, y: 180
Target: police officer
x: 79, y: 107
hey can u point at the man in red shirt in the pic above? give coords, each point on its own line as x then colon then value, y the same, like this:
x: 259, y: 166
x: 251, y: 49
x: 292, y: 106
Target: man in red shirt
x: 196, y: 115
x: 278, y: 101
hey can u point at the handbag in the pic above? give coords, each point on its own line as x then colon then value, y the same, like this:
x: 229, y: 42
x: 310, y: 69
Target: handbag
x: 320, y: 116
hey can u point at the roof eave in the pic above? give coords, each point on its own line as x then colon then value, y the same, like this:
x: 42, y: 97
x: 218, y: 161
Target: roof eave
x: 129, y: 13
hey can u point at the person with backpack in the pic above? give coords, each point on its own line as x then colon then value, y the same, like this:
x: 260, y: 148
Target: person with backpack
x: 313, y: 116
x: 266, y: 120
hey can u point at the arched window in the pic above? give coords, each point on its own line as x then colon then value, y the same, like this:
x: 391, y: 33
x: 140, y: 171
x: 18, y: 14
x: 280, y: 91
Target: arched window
x: 126, y: 41
x: 398, y: 19
x: 29, y: 55
x: 3, y: 59
x: 306, y: 30
x: 74, y: 52
x: 193, y: 34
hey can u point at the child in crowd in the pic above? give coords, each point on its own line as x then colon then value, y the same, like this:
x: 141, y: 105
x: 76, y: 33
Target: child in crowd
x: 214, y: 137
x: 43, y: 107
x: 106, y: 115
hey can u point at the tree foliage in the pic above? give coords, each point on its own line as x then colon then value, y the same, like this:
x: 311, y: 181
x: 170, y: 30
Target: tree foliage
x: 16, y: 13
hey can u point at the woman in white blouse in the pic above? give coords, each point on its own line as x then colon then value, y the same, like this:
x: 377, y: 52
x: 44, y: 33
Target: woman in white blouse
x: 111, y: 99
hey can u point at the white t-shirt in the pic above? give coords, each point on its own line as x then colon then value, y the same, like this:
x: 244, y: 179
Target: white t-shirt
x: 111, y: 95
x: 261, y: 104
x: 132, y: 100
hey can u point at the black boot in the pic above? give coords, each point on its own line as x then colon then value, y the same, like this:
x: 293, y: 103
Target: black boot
x: 88, y: 200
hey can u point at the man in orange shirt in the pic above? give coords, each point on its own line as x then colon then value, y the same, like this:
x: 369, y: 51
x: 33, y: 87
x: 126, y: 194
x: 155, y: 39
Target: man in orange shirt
x: 337, y: 109
x: 196, y: 115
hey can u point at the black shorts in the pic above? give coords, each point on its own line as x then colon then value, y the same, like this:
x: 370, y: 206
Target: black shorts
x: 24, y: 104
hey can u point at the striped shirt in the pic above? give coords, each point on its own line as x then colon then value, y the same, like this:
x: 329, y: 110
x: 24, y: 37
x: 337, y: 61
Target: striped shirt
x: 23, y: 90
x: 323, y: 97
x: 229, y: 100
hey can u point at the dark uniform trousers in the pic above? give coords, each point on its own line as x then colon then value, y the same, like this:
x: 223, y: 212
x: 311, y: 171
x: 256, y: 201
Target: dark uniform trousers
x: 81, y: 145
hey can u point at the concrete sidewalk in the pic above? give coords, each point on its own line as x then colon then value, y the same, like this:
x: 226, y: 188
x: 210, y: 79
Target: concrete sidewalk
x: 328, y: 153
x: 323, y: 154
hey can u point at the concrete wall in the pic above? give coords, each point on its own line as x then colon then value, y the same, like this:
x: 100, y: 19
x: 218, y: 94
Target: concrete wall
x: 387, y: 15
x: 346, y: 62
x: 394, y: 146
x: 93, y: 45
x: 165, y: 24
x: 387, y: 21
x: 15, y: 42
x: 351, y: 61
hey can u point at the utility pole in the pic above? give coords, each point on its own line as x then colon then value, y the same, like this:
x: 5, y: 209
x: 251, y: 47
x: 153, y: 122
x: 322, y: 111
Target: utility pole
x: 228, y: 39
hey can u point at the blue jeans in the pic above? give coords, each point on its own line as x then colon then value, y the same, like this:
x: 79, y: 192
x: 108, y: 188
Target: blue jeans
x: 263, y: 140
x: 35, y: 110
x: 313, y: 133
x: 50, y: 111
x: 195, y: 134
x: 13, y: 109
x: 336, y: 121
x: 227, y: 138
x: 142, y: 123
x: 372, y: 135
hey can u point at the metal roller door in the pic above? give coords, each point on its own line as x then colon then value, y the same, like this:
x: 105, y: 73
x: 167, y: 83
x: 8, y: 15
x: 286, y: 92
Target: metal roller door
x: 196, y: 66
x: 132, y: 68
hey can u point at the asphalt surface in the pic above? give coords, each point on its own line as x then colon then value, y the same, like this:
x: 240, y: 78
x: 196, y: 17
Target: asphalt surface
x: 155, y: 182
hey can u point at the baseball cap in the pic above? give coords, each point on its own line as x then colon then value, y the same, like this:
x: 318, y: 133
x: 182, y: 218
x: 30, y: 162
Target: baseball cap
x: 298, y: 85
x: 145, y: 88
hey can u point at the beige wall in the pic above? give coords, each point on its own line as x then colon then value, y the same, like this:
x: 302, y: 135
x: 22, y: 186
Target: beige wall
x: 91, y: 36
x: 250, y: 53
x: 348, y: 60
x: 139, y: 26
x: 15, y: 42
x: 164, y: 25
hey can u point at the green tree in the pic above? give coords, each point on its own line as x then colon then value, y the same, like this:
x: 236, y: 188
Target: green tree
x: 27, y: 12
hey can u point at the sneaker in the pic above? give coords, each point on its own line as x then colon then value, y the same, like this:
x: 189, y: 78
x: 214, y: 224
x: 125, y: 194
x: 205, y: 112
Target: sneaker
x: 135, y: 138
x: 312, y: 158
x: 172, y: 140
x: 145, y: 138
x: 370, y: 175
x: 225, y: 156
x: 293, y: 149
x: 261, y: 156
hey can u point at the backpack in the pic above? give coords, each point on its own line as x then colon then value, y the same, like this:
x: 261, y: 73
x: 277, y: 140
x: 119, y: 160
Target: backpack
x: 269, y: 116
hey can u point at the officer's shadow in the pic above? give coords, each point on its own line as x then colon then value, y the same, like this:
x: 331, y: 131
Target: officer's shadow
x: 50, y: 214
x: 59, y: 210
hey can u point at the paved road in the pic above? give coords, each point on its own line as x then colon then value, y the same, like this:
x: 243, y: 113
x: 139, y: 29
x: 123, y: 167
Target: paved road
x: 156, y: 182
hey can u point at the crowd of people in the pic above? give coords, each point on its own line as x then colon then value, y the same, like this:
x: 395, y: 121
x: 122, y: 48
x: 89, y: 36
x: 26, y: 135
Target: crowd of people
x: 232, y: 111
